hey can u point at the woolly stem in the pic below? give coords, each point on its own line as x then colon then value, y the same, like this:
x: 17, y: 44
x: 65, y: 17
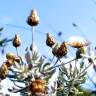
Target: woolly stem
x: 32, y: 39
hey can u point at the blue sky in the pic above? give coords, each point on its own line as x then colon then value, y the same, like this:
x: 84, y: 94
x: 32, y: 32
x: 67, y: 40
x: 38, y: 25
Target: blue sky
x: 59, y: 14
x: 55, y: 16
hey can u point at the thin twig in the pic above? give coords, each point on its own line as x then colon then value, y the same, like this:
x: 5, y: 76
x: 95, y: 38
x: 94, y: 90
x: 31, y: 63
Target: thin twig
x: 65, y: 63
x: 56, y: 61
x: 59, y: 65
x: 86, y: 68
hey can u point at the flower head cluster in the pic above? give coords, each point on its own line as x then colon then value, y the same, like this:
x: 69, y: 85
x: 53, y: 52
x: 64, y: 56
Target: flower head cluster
x: 58, y: 50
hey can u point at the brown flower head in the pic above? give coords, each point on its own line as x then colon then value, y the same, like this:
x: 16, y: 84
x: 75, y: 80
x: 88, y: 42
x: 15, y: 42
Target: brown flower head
x: 11, y: 58
x: 78, y: 42
x: 33, y: 19
x: 16, y: 41
x: 3, y: 72
x: 9, y: 63
x: 37, y: 86
x: 50, y: 40
x: 60, y: 51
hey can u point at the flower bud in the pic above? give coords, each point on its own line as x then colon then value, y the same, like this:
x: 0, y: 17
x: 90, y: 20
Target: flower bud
x: 16, y: 41
x: 50, y: 40
x: 60, y: 51
x: 33, y: 19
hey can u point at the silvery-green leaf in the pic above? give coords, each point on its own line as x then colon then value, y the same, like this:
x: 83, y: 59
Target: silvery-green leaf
x: 35, y: 56
x: 28, y: 57
x: 46, y: 66
x: 49, y: 74
x: 83, y: 74
x: 41, y: 60
x: 81, y: 65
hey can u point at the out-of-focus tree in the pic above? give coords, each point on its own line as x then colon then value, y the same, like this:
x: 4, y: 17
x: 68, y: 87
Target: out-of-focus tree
x: 3, y: 41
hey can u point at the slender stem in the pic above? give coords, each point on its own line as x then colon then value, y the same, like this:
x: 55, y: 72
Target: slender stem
x: 32, y: 39
x: 17, y: 52
x: 65, y: 63
x: 56, y: 61
x: 86, y: 68
x: 58, y: 65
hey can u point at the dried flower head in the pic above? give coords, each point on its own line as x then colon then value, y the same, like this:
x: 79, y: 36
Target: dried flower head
x: 78, y: 42
x: 10, y: 56
x: 60, y: 51
x: 9, y: 63
x: 3, y: 72
x: 37, y: 86
x: 50, y: 40
x: 33, y: 19
x: 16, y: 41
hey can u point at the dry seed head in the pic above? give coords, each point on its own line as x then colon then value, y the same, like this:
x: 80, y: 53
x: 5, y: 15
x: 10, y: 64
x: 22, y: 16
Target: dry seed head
x: 37, y: 86
x: 10, y: 56
x: 60, y: 51
x: 3, y: 71
x: 10, y: 59
x: 16, y: 41
x: 33, y: 19
x: 9, y: 63
x: 78, y: 42
x: 50, y: 40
